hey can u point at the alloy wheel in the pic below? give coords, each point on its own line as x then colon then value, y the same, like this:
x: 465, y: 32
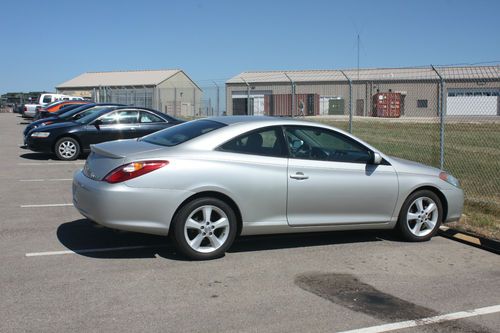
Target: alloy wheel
x: 422, y: 216
x: 67, y: 149
x: 206, y: 229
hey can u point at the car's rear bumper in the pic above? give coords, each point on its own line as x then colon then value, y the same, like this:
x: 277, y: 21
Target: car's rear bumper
x: 455, y: 200
x: 122, y: 207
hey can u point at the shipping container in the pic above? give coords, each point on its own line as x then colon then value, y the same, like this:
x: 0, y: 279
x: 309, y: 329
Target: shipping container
x: 281, y: 105
x: 387, y: 105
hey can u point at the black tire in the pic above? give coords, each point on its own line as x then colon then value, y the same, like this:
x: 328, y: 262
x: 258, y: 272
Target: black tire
x: 179, y: 223
x: 405, y: 227
x: 70, y: 154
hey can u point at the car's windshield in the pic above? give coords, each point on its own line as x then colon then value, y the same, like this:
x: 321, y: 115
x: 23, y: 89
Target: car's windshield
x: 95, y: 113
x: 181, y: 133
x: 67, y: 114
x: 65, y: 109
x: 91, y: 111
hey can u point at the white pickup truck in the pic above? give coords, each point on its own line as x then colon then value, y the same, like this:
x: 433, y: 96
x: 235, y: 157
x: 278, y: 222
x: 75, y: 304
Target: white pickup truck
x: 29, y: 110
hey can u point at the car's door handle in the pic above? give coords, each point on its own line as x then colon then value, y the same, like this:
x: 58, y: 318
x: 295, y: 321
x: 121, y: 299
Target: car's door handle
x: 299, y: 176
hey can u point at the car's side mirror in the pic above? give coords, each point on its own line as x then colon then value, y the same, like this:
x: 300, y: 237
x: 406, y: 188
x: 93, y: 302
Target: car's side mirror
x: 98, y: 123
x: 375, y: 158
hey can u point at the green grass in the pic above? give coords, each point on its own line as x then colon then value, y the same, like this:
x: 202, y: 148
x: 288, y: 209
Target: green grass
x: 472, y: 154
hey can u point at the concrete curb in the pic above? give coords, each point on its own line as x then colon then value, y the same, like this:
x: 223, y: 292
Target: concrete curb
x: 470, y: 239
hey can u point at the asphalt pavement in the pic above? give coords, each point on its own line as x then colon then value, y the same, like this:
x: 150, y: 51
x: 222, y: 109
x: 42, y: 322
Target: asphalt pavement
x: 60, y: 272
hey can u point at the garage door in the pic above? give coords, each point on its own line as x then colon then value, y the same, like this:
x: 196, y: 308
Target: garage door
x: 472, y: 105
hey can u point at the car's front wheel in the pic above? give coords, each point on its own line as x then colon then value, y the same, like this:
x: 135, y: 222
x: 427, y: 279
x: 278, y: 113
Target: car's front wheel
x: 420, y: 216
x: 204, y: 228
x: 67, y: 149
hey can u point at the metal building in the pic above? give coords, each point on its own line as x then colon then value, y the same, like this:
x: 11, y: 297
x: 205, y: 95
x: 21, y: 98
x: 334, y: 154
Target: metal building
x: 416, y: 91
x: 170, y: 91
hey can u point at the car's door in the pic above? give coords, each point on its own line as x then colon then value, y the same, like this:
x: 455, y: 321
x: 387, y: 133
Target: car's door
x: 150, y: 123
x: 255, y: 169
x: 128, y: 124
x: 108, y: 127
x: 330, y: 180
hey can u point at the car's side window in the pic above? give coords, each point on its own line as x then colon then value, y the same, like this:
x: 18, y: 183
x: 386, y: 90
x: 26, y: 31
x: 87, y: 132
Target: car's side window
x: 128, y: 117
x: 265, y: 142
x: 109, y: 119
x: 315, y: 143
x: 147, y: 117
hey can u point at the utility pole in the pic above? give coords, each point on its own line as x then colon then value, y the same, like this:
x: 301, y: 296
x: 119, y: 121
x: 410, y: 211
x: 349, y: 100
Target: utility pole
x: 358, y: 57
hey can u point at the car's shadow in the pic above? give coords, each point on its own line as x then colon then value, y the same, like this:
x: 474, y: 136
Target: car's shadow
x: 46, y: 157
x: 38, y: 156
x: 92, y: 240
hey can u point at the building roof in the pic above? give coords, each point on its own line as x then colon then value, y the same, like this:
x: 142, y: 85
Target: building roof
x: 119, y: 79
x: 369, y: 74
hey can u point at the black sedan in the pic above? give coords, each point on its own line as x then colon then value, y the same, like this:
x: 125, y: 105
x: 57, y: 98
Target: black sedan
x: 69, y: 115
x: 68, y: 139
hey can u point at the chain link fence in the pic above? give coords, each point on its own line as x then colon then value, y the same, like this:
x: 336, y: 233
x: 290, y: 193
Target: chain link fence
x: 447, y: 117
x: 183, y: 102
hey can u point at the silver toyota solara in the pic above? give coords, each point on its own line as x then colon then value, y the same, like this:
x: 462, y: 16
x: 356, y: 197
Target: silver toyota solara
x: 207, y: 181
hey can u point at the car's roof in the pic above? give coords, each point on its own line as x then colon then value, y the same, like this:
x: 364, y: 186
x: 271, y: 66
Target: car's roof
x: 231, y: 120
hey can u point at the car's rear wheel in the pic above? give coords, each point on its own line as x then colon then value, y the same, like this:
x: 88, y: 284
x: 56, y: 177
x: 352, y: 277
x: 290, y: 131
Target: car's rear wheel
x: 67, y: 149
x: 420, y: 216
x: 204, y: 228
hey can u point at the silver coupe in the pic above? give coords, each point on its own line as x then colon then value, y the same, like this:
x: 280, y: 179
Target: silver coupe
x: 207, y: 181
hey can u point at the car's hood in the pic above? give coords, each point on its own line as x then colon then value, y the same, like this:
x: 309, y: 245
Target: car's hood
x: 406, y: 166
x: 56, y: 125
x: 44, y: 120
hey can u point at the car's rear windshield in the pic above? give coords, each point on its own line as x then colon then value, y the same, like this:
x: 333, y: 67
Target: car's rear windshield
x: 181, y: 133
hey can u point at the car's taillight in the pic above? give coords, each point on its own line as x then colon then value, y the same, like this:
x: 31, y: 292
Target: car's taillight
x: 133, y: 170
x: 25, y: 109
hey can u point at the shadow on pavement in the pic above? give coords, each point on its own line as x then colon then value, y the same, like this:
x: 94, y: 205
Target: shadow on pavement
x: 38, y: 156
x: 46, y: 157
x: 84, y: 235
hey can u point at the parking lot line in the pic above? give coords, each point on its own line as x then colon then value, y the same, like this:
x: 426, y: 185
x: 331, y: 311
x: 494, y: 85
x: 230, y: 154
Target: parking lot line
x: 46, y: 180
x: 52, y: 163
x: 106, y: 249
x: 46, y: 205
x: 428, y: 320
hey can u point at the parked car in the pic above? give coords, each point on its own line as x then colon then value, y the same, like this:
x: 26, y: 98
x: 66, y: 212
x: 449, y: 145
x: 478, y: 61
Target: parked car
x: 63, y: 115
x: 43, y: 112
x: 29, y: 110
x: 206, y: 181
x: 68, y: 139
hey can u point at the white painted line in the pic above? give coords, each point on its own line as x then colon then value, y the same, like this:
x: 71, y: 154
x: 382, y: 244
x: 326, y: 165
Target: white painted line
x: 53, y: 163
x: 106, y: 249
x: 46, y: 180
x: 428, y: 320
x: 47, y: 205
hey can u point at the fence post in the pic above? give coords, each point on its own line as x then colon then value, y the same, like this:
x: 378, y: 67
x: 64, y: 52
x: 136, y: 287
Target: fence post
x: 350, y: 100
x: 441, y: 118
x: 293, y: 93
x: 218, y: 98
x: 248, y: 96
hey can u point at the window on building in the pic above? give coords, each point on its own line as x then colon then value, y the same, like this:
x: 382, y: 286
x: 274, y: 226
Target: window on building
x: 422, y: 103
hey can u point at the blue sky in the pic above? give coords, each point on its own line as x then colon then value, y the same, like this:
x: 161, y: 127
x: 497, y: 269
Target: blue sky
x: 45, y: 43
